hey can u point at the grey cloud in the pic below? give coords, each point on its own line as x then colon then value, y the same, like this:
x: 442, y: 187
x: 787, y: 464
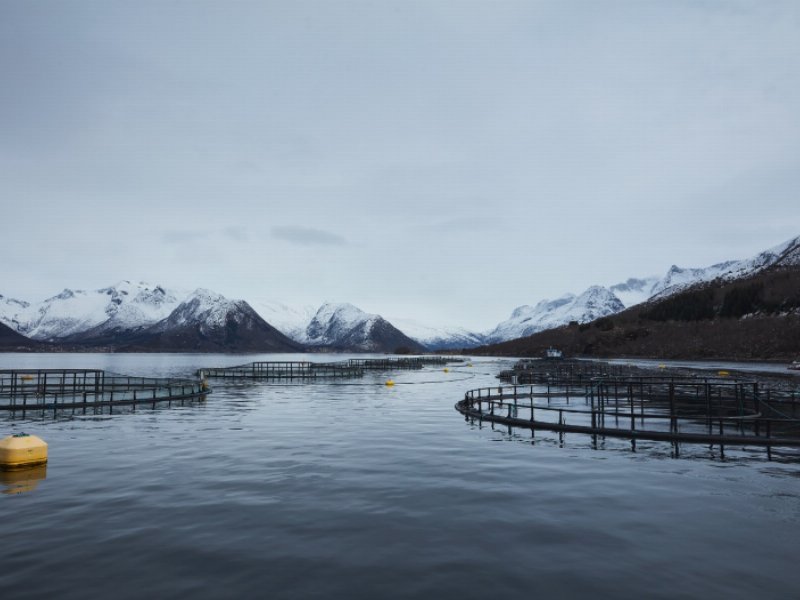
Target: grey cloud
x: 307, y: 236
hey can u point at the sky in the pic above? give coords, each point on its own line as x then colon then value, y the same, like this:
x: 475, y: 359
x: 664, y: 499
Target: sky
x: 444, y: 161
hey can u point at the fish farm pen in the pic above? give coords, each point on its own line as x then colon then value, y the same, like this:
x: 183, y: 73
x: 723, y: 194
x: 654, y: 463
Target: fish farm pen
x: 304, y: 370
x: 639, y: 404
x: 563, y: 371
x: 24, y: 390
x: 404, y: 363
x: 283, y: 370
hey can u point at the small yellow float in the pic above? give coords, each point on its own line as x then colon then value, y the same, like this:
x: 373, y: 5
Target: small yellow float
x: 389, y: 383
x: 22, y: 450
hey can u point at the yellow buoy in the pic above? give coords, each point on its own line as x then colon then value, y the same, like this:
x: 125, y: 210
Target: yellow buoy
x: 389, y: 383
x: 469, y: 364
x: 446, y: 370
x: 723, y: 373
x: 22, y: 450
x: 662, y: 366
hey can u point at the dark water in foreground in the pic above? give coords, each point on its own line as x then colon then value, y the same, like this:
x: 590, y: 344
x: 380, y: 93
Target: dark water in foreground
x: 364, y: 491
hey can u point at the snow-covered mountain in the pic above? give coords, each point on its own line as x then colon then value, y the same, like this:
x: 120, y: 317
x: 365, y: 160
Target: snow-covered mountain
x: 439, y: 338
x: 145, y: 317
x: 678, y: 278
x: 294, y: 321
x: 634, y: 291
x: 786, y: 254
x: 289, y: 320
x: 598, y: 302
x: 207, y: 321
x: 122, y: 306
x: 204, y: 308
x: 346, y: 327
x: 13, y: 312
x: 592, y: 304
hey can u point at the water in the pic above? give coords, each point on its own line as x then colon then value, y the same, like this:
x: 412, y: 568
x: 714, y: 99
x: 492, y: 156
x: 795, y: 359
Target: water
x: 363, y: 491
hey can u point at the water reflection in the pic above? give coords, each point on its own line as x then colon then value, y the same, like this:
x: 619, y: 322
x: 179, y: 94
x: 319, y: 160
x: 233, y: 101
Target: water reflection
x: 21, y: 481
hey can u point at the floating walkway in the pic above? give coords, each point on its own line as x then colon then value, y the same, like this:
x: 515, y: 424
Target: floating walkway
x: 24, y: 390
x: 691, y: 409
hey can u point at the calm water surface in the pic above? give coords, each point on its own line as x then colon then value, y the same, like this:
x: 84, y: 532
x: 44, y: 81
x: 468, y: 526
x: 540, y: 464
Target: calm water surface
x: 363, y: 491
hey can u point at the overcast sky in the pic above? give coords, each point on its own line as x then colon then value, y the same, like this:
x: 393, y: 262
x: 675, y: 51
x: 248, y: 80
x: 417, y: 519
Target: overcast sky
x: 444, y: 161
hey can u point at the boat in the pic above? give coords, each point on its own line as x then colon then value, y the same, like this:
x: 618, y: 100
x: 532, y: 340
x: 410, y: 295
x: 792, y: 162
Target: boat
x: 553, y: 353
x: 795, y: 366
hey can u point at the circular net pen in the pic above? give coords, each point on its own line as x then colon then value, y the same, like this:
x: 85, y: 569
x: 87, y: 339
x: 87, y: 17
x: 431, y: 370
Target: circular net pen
x: 25, y: 390
x: 284, y: 371
x: 714, y: 411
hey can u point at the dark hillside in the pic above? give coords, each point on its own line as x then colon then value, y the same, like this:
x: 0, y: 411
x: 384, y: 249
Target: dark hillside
x: 11, y: 341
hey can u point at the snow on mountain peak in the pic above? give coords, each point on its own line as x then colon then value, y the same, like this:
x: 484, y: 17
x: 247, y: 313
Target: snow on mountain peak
x: 634, y: 290
x: 344, y: 312
x: 204, y: 307
x: 292, y: 321
x: 333, y: 321
x: 438, y: 338
x: 13, y: 312
x: 13, y: 302
x: 121, y: 306
x: 593, y: 303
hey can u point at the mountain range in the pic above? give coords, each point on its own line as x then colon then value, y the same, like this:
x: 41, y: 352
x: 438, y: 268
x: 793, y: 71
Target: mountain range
x: 143, y: 317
